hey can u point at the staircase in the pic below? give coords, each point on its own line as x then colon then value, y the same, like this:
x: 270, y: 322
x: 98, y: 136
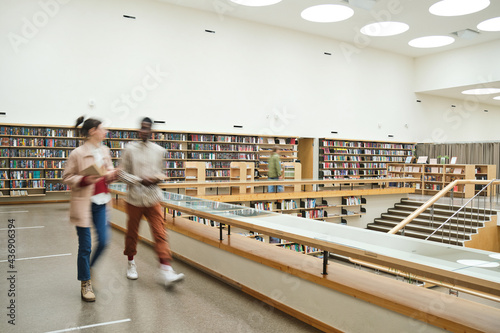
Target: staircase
x: 426, y: 223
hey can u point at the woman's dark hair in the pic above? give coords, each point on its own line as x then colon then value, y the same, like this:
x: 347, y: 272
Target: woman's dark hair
x: 87, y: 125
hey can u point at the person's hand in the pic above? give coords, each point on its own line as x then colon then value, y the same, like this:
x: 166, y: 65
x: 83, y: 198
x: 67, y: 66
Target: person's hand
x: 111, y: 176
x: 92, y: 179
x: 150, y: 181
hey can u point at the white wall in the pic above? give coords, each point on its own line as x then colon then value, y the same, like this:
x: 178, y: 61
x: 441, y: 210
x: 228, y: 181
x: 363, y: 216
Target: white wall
x: 466, y: 66
x: 80, y: 50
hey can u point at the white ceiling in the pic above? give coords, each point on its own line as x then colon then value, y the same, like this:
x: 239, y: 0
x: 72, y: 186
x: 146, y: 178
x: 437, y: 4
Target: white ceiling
x: 415, y: 13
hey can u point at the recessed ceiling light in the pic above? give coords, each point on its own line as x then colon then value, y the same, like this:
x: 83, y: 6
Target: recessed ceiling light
x: 327, y: 13
x: 481, y: 91
x: 478, y: 263
x: 256, y: 3
x: 490, y: 25
x: 431, y: 41
x: 498, y: 99
x: 458, y: 7
x: 495, y: 255
x: 381, y: 29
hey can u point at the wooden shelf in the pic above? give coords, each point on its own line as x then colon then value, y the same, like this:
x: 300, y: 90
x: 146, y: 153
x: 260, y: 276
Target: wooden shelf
x: 46, y: 137
x: 426, y: 171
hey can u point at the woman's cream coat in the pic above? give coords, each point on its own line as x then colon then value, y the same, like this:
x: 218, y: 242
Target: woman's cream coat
x: 80, y: 206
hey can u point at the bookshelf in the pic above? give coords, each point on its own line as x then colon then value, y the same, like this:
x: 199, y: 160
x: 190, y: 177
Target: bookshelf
x: 242, y: 171
x: 339, y: 159
x: 435, y: 177
x: 282, y: 243
x: 485, y: 172
x: 195, y: 172
x: 47, y: 147
x: 292, y: 171
x: 287, y: 150
x: 333, y: 210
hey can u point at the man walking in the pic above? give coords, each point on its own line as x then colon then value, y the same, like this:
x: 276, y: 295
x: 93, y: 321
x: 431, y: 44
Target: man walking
x: 141, y: 167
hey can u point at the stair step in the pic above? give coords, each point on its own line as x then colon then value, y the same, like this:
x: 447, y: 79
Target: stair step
x: 442, y: 212
x: 422, y: 221
x: 442, y: 218
x: 429, y: 230
x: 444, y: 206
x: 416, y: 234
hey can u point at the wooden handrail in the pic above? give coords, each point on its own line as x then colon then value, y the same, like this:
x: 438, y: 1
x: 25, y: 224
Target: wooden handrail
x: 435, y: 198
x: 287, y: 182
x: 425, y: 279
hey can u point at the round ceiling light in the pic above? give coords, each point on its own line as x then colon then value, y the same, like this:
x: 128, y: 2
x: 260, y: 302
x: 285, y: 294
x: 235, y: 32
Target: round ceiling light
x: 481, y: 91
x: 256, y: 3
x: 478, y: 263
x: 495, y: 255
x: 490, y: 25
x: 381, y: 29
x: 498, y: 99
x: 431, y: 41
x: 458, y: 7
x: 327, y: 13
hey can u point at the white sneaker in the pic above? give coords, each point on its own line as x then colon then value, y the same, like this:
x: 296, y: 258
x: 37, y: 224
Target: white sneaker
x: 169, y: 276
x: 132, y: 271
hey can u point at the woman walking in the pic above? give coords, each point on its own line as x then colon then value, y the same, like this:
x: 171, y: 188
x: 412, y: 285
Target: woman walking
x: 89, y: 197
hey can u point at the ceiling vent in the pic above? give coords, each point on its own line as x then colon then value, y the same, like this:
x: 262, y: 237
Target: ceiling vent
x: 365, y: 4
x: 466, y: 34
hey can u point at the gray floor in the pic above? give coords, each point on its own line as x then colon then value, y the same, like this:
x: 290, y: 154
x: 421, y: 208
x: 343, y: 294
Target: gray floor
x: 47, y: 294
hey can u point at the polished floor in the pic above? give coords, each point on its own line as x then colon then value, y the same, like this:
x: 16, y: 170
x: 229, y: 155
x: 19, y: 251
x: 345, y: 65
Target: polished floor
x: 47, y: 294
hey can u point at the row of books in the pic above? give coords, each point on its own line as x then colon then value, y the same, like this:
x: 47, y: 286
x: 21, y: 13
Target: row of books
x: 353, y: 200
x: 219, y: 147
x: 171, y: 145
x: 175, y: 173
x: 50, y: 187
x: 37, y: 131
x: 314, y: 214
x: 336, y: 143
x: 176, y: 155
x: 53, y: 174
x: 31, y: 131
x: 293, y: 246
x: 221, y: 156
x: 123, y: 135
x: 174, y: 164
x: 204, y: 221
x: 63, y: 143
x: 217, y: 173
x: 27, y: 142
x: 28, y: 183
x: 217, y: 164
x: 327, y: 150
x: 265, y: 206
x: 36, y: 153
x: 308, y: 203
x: 168, y: 136
x: 37, y: 174
x: 27, y: 164
x: 333, y: 165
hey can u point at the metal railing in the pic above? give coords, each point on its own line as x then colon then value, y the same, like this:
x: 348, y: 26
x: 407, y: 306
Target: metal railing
x: 466, y: 219
x: 457, y: 228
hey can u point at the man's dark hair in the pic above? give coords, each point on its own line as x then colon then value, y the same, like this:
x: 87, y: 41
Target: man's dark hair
x: 147, y: 120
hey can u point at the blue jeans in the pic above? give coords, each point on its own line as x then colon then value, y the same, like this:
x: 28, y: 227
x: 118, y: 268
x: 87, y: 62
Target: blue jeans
x: 85, y: 241
x: 270, y: 188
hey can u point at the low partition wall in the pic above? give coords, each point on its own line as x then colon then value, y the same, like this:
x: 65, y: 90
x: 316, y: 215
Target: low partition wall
x: 347, y: 299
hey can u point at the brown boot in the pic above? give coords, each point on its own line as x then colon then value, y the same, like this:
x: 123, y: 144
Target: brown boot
x: 87, y: 292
